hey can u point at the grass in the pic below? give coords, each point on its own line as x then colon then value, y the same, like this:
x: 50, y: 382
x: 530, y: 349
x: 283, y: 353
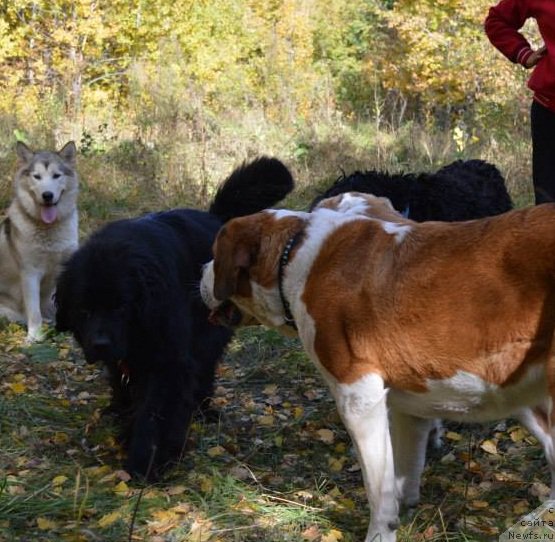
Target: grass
x: 276, y: 465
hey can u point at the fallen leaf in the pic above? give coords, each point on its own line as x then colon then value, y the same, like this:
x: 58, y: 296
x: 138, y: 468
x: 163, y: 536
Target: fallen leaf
x: 45, y: 524
x: 206, y: 484
x: 311, y: 533
x: 121, y: 489
x: 517, y: 435
x: 326, y: 435
x: 18, y: 387
x: 182, y: 508
x: 451, y: 435
x: 59, y: 481
x: 201, y: 531
x: 215, y: 451
x: 176, y: 490
x: 60, y: 438
x: 332, y: 536
x: 336, y: 464
x: 109, y: 519
x: 489, y: 446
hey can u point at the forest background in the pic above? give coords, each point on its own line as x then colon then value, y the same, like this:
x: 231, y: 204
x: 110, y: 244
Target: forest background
x: 164, y: 98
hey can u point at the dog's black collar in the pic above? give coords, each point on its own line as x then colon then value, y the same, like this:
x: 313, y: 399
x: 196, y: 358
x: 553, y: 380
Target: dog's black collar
x: 283, y: 261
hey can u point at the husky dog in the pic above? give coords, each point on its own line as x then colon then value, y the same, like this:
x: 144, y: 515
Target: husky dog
x: 38, y: 234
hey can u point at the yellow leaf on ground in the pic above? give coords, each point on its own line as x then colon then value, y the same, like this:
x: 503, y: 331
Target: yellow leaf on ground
x: 165, y: 515
x: 266, y: 420
x: 336, y: 464
x: 325, y: 435
x: 206, y: 484
x: 333, y: 536
x: 347, y: 503
x: 451, y: 435
x: 215, y: 451
x: 201, y: 531
x: 479, y: 505
x: 182, y: 508
x: 334, y: 492
x: 109, y: 519
x: 489, y: 446
x: 176, y: 490
x: 517, y: 435
x: 45, y: 524
x: 60, y: 438
x: 59, y: 480
x: 18, y: 387
x: 121, y: 489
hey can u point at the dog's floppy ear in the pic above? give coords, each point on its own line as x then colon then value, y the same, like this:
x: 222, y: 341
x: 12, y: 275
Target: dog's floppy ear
x: 235, y: 251
x: 68, y: 152
x: 24, y: 153
x: 227, y: 267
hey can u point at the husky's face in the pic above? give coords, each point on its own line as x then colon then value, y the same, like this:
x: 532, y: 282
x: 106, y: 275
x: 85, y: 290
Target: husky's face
x: 46, y: 184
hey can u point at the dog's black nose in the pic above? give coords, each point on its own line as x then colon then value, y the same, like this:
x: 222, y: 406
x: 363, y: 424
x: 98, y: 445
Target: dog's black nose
x: 101, y: 348
x: 48, y: 197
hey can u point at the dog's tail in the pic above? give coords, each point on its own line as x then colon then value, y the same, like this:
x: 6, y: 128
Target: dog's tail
x: 252, y: 187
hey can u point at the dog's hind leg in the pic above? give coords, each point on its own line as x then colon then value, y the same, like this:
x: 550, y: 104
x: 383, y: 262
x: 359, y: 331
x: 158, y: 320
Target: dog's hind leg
x: 539, y: 422
x: 410, y: 437
x: 363, y: 408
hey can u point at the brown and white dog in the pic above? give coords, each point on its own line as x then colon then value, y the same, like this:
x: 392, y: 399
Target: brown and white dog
x: 418, y: 320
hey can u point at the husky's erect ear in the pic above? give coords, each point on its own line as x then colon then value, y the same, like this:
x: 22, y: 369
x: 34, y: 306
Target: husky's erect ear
x: 24, y: 153
x: 68, y: 152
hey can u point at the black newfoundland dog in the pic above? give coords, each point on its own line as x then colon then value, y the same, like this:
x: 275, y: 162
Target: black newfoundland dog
x: 130, y: 297
x: 463, y: 190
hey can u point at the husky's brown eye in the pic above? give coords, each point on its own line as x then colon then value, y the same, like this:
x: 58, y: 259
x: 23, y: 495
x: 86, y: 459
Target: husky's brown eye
x: 36, y: 176
x: 56, y: 176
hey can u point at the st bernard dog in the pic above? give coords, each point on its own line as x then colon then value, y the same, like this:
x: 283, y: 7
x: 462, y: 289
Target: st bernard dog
x: 418, y: 320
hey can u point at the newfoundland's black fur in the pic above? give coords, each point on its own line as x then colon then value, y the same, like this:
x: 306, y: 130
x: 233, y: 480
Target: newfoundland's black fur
x: 463, y: 190
x: 130, y: 297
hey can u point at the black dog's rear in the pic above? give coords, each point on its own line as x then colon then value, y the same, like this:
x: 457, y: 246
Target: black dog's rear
x: 130, y: 297
x: 463, y: 190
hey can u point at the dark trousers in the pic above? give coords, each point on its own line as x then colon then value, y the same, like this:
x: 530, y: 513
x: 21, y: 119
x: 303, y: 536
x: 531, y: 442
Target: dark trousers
x: 543, y: 152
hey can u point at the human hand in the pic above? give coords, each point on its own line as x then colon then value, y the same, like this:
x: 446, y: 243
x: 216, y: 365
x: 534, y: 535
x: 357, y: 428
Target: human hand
x: 535, y: 57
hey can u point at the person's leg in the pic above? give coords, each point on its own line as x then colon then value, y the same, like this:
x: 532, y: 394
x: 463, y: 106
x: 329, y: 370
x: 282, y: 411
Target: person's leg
x: 543, y: 152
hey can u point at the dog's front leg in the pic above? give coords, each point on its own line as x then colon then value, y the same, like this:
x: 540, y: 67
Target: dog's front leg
x: 30, y: 287
x: 410, y: 438
x: 363, y: 408
x: 161, y: 422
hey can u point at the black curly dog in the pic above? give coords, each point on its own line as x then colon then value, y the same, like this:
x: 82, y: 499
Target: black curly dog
x: 463, y: 190
x: 130, y: 297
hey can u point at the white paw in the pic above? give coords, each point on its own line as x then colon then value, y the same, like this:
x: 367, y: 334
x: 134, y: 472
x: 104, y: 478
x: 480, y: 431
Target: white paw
x: 35, y: 334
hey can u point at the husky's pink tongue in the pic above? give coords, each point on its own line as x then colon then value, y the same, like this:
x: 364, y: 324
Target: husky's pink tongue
x: 48, y: 214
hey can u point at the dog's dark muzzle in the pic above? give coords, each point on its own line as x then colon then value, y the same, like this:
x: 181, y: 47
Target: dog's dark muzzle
x: 102, y: 349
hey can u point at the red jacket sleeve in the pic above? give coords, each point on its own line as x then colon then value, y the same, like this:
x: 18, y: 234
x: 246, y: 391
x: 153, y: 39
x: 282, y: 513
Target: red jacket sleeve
x: 502, y: 27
